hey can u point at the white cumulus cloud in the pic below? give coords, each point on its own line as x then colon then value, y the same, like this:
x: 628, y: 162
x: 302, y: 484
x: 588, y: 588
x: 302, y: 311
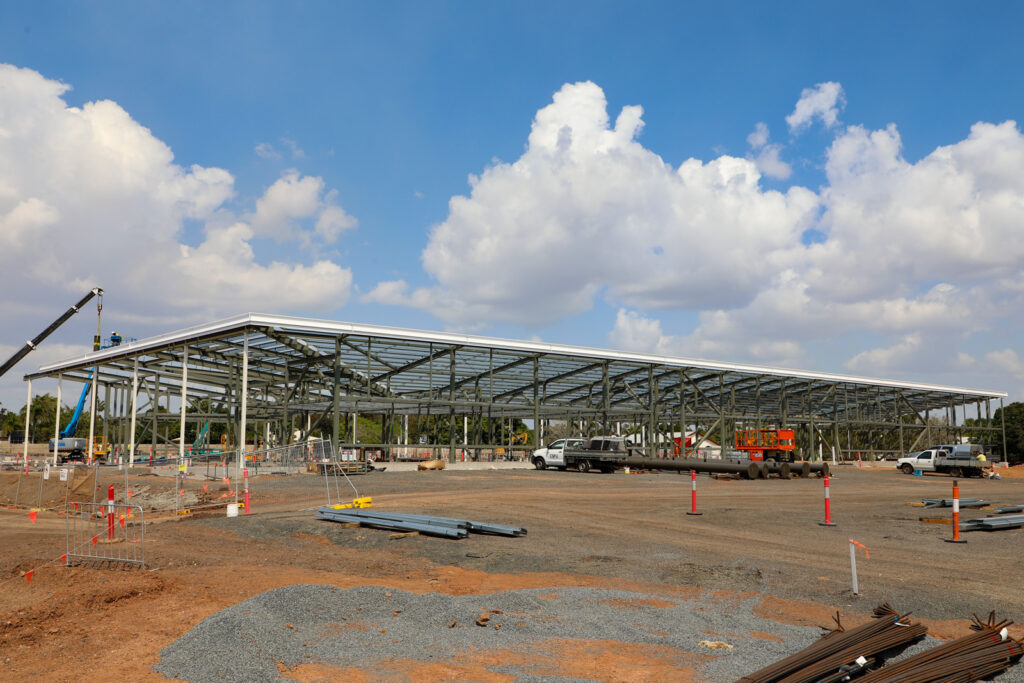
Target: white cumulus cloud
x: 89, y: 196
x: 588, y: 209
x: 823, y: 102
x: 766, y: 156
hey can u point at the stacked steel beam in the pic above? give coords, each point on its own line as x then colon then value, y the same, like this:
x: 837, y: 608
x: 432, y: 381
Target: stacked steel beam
x: 843, y: 652
x: 444, y: 527
x: 993, y: 523
x: 964, y: 502
x: 986, y: 652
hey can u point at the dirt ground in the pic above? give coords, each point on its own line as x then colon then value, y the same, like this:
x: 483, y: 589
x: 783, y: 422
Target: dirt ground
x: 755, y: 538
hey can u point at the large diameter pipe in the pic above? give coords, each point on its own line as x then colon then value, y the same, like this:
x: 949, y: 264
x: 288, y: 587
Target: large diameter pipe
x: 749, y: 470
x: 800, y: 469
x: 820, y: 468
x: 782, y: 469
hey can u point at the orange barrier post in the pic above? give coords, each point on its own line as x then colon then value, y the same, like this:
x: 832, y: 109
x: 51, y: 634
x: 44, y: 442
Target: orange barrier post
x: 693, y: 494
x: 956, y: 516
x: 245, y: 474
x: 828, y: 506
x: 110, y: 512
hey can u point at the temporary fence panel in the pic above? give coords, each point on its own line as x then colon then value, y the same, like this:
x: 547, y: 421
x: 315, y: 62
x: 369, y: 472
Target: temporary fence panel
x: 105, y: 531
x: 292, y: 456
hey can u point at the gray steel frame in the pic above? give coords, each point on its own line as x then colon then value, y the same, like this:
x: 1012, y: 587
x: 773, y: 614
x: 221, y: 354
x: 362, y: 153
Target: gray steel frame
x: 321, y: 370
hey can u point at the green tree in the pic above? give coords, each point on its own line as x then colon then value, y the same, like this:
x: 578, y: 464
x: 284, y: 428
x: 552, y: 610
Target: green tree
x: 1014, y: 417
x: 9, y: 422
x: 43, y: 413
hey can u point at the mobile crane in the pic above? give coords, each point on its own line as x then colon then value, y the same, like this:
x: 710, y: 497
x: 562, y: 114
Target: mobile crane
x: 65, y: 442
x: 31, y: 345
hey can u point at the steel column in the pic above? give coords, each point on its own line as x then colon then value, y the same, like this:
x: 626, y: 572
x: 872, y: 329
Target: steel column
x: 56, y: 429
x: 135, y: 408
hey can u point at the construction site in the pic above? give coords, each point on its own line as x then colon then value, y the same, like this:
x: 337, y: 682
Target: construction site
x: 267, y: 497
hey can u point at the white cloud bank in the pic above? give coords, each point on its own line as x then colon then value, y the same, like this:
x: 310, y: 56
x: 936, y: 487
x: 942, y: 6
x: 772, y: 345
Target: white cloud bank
x: 89, y: 196
x: 920, y: 256
x: 587, y: 208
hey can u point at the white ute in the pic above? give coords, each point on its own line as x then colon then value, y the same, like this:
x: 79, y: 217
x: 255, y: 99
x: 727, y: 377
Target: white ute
x: 554, y: 454
x: 959, y: 460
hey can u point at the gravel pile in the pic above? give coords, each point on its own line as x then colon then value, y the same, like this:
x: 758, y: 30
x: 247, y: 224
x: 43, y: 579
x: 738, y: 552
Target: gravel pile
x: 361, y: 627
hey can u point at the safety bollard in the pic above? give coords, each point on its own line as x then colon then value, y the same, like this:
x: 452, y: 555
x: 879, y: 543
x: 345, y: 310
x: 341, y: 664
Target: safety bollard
x: 110, y: 512
x: 828, y: 506
x: 693, y: 494
x: 245, y: 474
x: 956, y: 516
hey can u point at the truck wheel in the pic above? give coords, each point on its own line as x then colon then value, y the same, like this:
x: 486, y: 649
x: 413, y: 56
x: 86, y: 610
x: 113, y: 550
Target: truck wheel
x: 958, y: 472
x: 584, y: 466
x: 539, y: 463
x: 907, y: 468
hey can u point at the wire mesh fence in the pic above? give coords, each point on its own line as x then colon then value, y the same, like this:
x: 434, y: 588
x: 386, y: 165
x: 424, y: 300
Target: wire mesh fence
x: 105, y: 532
x: 299, y: 475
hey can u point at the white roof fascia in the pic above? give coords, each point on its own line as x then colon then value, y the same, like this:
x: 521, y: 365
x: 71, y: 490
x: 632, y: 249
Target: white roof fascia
x: 334, y: 327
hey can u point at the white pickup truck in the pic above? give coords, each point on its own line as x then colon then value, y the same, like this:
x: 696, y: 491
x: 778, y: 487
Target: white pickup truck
x: 960, y: 460
x: 554, y: 454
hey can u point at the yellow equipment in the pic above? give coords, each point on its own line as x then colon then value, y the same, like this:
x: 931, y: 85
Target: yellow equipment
x: 356, y: 503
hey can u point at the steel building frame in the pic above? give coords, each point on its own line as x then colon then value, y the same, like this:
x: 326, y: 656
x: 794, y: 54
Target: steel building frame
x: 274, y: 369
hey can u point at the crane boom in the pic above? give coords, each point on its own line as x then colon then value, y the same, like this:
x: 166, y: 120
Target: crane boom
x: 31, y: 345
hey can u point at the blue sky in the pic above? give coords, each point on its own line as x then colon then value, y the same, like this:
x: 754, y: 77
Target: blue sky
x: 371, y: 117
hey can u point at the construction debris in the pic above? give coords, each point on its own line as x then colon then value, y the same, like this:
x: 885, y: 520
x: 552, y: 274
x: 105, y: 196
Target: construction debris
x: 431, y: 465
x: 445, y: 527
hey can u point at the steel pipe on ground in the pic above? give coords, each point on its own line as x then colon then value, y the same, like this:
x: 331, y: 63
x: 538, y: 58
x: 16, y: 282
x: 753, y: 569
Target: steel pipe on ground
x: 750, y: 470
x: 819, y: 468
x: 800, y: 469
x: 783, y: 469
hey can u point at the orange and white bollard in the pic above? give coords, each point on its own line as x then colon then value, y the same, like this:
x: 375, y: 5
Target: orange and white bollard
x: 956, y: 516
x: 693, y: 494
x: 110, y: 512
x: 245, y: 475
x: 828, y: 506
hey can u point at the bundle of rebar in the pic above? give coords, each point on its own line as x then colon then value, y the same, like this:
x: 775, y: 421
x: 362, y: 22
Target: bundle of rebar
x: 988, y: 651
x: 841, y: 649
